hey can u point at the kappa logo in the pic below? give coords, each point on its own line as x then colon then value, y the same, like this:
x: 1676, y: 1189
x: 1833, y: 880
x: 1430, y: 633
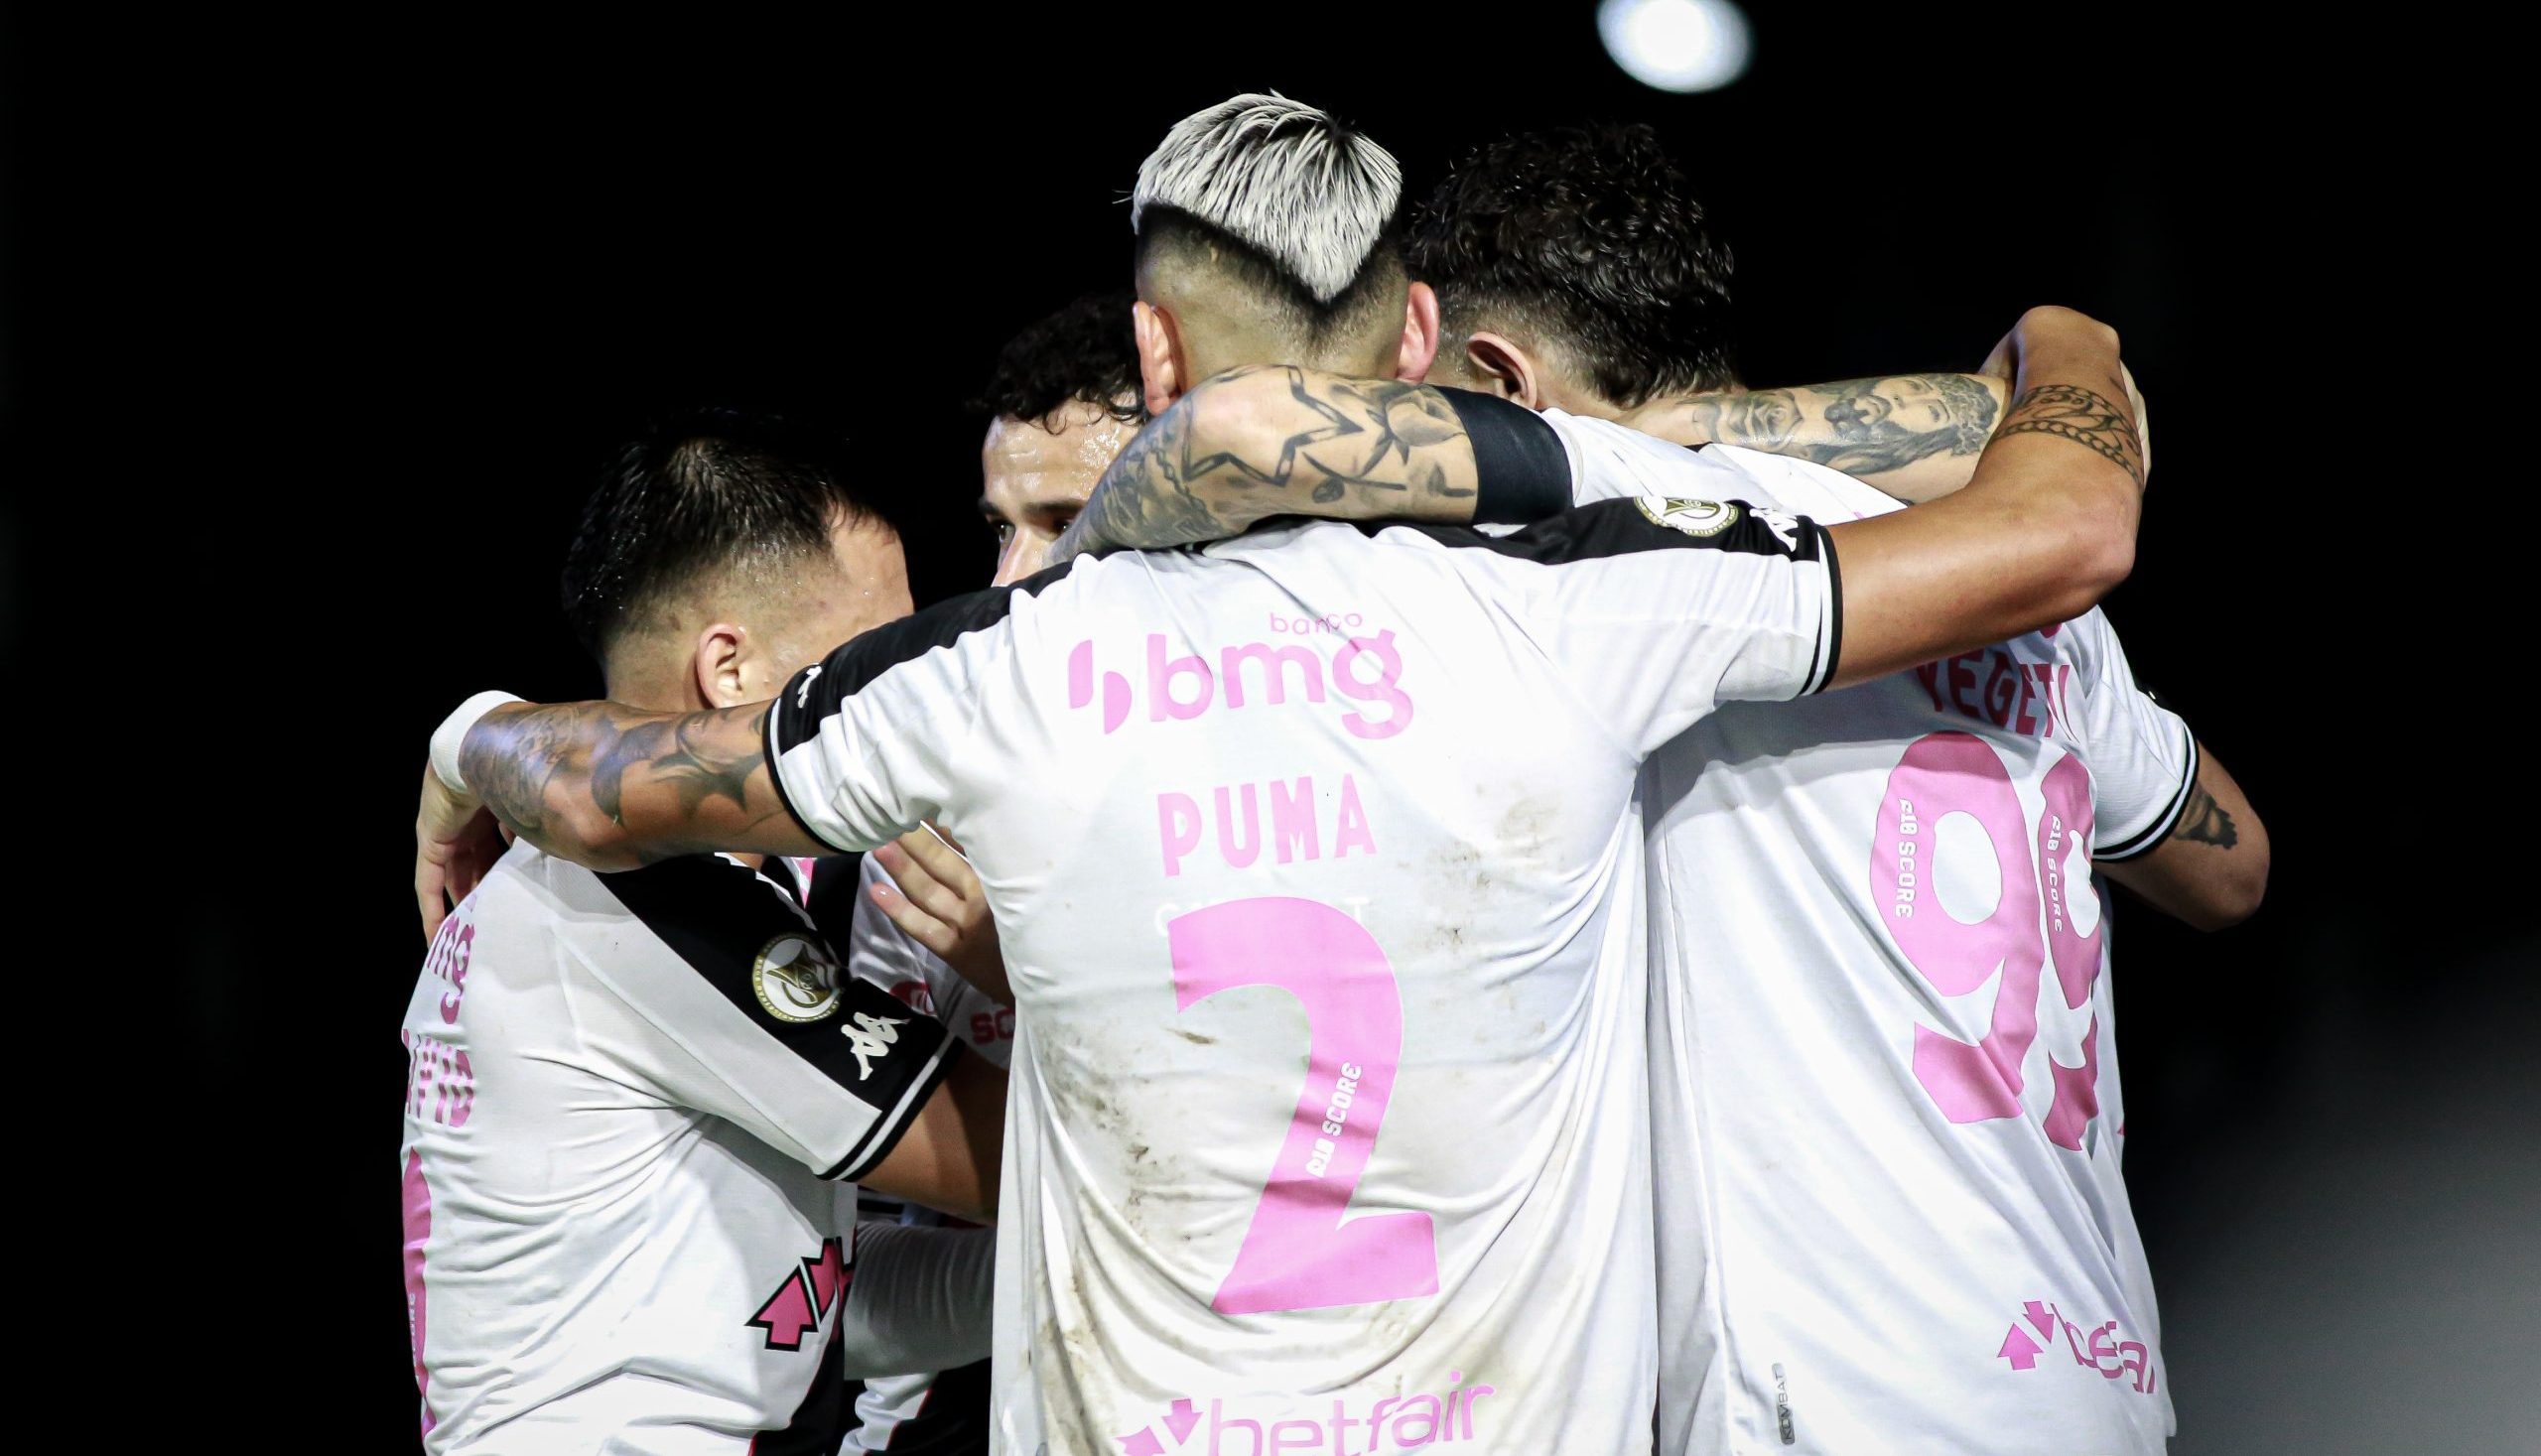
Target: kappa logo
x: 803, y: 694
x: 871, y: 1037
x: 1785, y: 526
x: 795, y: 979
x: 1683, y: 513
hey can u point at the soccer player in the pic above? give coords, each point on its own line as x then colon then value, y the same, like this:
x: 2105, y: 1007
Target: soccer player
x: 1520, y: 257
x: 1941, y: 1041
x: 1387, y: 774
x: 1862, y: 1147
x: 1063, y: 400
x: 637, y: 1102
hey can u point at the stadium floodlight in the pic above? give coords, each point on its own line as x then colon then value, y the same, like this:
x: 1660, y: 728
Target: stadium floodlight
x: 1675, y: 44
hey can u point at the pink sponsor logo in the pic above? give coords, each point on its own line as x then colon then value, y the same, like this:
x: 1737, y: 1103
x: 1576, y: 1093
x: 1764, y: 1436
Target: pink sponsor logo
x: 1388, y: 1423
x: 1367, y: 671
x: 2106, y: 1348
x: 1337, y: 623
x: 448, y: 959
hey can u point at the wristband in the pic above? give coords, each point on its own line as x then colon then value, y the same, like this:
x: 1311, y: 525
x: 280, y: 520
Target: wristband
x: 453, y: 733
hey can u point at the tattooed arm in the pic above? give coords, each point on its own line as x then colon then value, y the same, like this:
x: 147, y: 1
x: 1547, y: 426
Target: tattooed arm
x: 2042, y: 532
x: 2210, y: 872
x: 1262, y: 441
x: 614, y: 787
x: 1916, y: 437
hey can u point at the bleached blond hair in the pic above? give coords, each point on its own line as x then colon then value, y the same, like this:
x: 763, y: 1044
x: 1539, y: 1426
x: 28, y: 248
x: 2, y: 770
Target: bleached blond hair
x: 1288, y: 181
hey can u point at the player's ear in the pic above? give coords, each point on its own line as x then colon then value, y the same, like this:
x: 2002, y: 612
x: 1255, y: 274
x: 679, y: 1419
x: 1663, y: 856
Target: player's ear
x: 718, y: 669
x: 1419, y: 334
x: 1504, y: 369
x: 1160, y: 363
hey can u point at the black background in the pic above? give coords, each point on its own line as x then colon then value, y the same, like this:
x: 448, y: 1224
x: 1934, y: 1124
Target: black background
x: 330, y: 315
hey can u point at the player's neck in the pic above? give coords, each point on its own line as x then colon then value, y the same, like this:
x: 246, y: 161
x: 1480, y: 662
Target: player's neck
x: 1652, y: 416
x: 670, y: 696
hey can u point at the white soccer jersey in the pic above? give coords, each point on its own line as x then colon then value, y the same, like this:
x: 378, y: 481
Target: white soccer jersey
x: 1313, y: 860
x: 628, y: 1098
x: 1887, y: 1109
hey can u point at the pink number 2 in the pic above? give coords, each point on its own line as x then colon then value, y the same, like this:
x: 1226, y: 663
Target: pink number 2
x: 1301, y: 1253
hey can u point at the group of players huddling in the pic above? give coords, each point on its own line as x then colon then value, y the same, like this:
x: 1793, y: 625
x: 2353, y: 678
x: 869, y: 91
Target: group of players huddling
x: 1532, y: 906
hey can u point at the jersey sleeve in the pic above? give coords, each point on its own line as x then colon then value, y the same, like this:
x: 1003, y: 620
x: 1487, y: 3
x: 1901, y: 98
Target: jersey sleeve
x: 2142, y: 756
x: 868, y: 742
x: 1660, y: 608
x: 750, y: 1017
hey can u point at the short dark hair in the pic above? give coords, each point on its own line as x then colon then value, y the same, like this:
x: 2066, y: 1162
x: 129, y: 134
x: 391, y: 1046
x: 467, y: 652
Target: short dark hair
x: 1086, y: 352
x: 1591, y: 235
x: 700, y: 491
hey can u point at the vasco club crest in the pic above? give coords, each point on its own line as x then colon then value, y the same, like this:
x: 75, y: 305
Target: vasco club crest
x: 795, y: 979
x: 1693, y: 517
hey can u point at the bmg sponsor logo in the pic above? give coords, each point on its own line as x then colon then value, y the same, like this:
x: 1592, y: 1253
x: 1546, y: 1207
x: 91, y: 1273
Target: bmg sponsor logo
x: 1366, y: 671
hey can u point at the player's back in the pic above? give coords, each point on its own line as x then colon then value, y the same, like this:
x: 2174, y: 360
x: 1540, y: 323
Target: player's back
x: 1318, y: 885
x: 1887, y: 1111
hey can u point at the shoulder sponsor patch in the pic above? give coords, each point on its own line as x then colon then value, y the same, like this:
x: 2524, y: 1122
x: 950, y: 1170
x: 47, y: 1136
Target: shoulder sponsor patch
x: 1686, y: 514
x: 795, y: 979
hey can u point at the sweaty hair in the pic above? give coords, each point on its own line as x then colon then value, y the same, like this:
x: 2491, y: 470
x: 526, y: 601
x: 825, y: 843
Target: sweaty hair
x: 1284, y: 202
x: 1085, y: 353
x: 1589, y: 239
x: 701, y: 493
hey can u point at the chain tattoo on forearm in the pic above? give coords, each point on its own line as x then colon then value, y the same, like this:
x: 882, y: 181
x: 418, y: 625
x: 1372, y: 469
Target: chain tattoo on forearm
x: 1351, y: 440
x: 2084, y: 417
x: 1870, y: 426
x: 543, y: 770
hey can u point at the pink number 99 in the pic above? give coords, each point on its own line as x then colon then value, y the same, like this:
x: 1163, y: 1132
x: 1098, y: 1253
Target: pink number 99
x: 1954, y: 773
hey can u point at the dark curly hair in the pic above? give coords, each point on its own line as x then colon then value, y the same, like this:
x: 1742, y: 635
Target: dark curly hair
x: 1590, y: 239
x: 701, y: 491
x: 1084, y: 353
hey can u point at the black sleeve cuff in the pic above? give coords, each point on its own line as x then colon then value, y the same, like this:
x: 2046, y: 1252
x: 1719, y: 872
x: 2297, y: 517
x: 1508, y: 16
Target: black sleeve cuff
x: 1822, y: 675
x: 2148, y: 839
x: 776, y: 771
x: 1522, y: 474
x: 926, y: 1055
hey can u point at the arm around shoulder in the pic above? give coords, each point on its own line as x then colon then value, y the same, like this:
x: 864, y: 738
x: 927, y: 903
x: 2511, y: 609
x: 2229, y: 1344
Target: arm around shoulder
x: 2045, y: 529
x: 614, y: 787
